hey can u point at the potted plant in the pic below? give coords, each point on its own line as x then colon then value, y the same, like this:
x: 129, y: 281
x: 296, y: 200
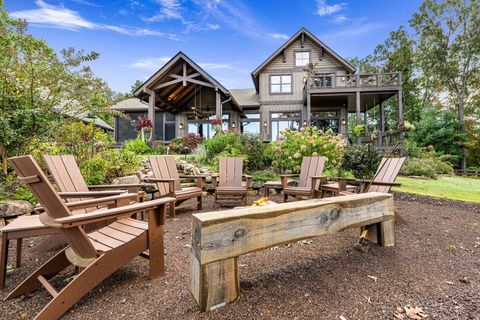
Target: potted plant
x: 144, y: 126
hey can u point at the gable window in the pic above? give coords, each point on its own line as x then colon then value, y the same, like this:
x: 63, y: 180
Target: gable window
x: 281, y: 84
x: 302, y: 58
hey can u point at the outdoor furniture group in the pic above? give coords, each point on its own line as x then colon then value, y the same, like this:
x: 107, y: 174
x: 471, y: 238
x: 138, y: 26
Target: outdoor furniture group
x: 98, y: 229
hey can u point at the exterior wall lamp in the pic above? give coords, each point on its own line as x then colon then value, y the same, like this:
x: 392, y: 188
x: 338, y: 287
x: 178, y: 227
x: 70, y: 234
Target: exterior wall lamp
x: 233, y: 124
x: 180, y: 126
x: 344, y: 122
x: 265, y: 124
x: 304, y: 123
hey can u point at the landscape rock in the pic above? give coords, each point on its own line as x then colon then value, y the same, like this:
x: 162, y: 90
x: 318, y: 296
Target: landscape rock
x: 132, y: 179
x: 11, y: 209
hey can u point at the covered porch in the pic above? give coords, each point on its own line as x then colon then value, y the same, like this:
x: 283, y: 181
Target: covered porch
x: 189, y: 97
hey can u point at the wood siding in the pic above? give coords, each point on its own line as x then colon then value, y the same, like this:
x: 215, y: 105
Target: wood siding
x: 326, y: 64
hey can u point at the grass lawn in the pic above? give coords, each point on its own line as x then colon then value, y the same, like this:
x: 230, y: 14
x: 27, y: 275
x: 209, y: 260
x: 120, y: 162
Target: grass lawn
x: 456, y: 188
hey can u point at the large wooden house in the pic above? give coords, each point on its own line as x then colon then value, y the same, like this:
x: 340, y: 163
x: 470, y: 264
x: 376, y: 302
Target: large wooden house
x: 182, y: 98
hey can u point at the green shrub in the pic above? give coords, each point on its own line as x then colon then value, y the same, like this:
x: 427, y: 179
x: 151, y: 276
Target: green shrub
x: 264, y: 176
x: 419, y: 167
x: 361, y: 160
x: 292, y: 146
x: 23, y: 193
x: 111, y: 164
x: 138, y: 146
x: 250, y: 147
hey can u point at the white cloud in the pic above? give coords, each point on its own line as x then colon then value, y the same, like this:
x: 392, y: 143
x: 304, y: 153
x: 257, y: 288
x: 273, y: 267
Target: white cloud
x: 324, y: 9
x: 63, y: 18
x: 87, y: 3
x: 150, y: 63
x: 340, y: 19
x: 354, y: 30
x: 169, y: 10
x: 278, y: 36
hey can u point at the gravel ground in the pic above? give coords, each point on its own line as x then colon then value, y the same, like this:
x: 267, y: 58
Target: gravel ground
x: 435, y: 265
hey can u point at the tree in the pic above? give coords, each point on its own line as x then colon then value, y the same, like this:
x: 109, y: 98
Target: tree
x: 448, y: 51
x: 135, y: 86
x: 38, y: 88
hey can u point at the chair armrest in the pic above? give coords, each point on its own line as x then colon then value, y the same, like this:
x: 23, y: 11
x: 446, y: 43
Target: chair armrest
x: 200, y: 179
x: 154, y: 180
x: 284, y: 178
x: 121, y: 199
x: 290, y: 175
x: 92, y: 217
x: 192, y: 176
x: 114, y: 186
x: 90, y: 194
x: 380, y: 183
x: 248, y: 180
x: 345, y: 193
x: 314, y: 180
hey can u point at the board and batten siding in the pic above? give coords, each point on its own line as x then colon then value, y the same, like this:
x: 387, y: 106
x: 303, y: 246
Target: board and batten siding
x: 278, y: 67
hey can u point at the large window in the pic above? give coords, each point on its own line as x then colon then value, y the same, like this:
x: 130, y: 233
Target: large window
x: 326, y: 120
x: 284, y: 120
x: 302, y: 58
x: 250, y: 123
x: 204, y: 127
x: 281, y: 84
x: 164, y: 126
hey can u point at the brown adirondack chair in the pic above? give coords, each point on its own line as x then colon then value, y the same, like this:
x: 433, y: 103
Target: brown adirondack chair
x: 67, y: 176
x: 310, y: 177
x: 69, y: 179
x: 383, y: 180
x: 231, y: 182
x: 96, y: 254
x: 168, y: 181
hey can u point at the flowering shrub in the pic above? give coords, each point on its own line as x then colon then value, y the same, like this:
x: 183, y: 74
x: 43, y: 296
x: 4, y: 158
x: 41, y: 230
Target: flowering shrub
x: 144, y: 126
x: 186, y: 144
x: 292, y: 146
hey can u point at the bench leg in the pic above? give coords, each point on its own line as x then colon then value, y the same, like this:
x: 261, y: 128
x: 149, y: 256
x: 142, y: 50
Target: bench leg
x: 3, y: 260
x: 215, y: 284
x: 19, y: 252
x: 382, y: 233
x: 199, y: 203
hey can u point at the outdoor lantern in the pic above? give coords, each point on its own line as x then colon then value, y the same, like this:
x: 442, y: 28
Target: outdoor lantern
x: 344, y: 122
x: 265, y: 124
x: 304, y: 123
x: 233, y: 124
x: 180, y: 126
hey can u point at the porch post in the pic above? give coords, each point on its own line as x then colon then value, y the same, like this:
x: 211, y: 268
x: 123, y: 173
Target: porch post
x: 382, y: 124
x: 218, y: 105
x: 357, y: 109
x: 309, y: 109
x: 151, y: 112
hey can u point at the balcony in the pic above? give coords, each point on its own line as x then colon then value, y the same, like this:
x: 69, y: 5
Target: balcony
x: 352, y: 82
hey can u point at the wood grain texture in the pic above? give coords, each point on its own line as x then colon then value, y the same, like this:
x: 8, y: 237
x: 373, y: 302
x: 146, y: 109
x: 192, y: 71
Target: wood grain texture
x: 219, y: 238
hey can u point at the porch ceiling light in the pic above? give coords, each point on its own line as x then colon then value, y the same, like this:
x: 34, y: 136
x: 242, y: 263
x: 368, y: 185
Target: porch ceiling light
x: 233, y: 124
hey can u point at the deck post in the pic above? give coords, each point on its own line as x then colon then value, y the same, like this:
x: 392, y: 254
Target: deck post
x: 400, y: 111
x: 382, y: 124
x: 151, y: 112
x: 357, y: 109
x: 218, y: 105
x: 309, y: 109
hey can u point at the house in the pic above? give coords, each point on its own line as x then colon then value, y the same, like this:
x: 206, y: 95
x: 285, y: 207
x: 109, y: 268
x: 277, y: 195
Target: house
x: 304, y: 82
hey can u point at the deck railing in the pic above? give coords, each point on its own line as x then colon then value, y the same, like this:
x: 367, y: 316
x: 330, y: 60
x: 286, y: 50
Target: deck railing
x: 328, y: 81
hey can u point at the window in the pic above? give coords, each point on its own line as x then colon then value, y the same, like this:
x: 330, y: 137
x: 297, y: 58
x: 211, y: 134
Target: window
x: 203, y: 127
x: 284, y: 120
x: 164, y: 126
x: 326, y: 120
x: 323, y: 80
x: 250, y: 123
x: 302, y: 58
x: 281, y: 84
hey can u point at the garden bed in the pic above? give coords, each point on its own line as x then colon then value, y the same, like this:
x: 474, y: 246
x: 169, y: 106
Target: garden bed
x: 434, y: 266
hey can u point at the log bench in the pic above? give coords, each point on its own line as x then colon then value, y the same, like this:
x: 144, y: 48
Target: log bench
x: 219, y: 238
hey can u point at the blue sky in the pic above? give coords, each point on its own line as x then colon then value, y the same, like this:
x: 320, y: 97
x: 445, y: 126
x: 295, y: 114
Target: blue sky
x: 228, y: 38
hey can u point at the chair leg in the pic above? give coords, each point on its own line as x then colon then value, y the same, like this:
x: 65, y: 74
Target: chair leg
x: 200, y: 202
x: 3, y: 259
x: 19, y: 252
x: 50, y: 268
x: 172, y: 210
x: 285, y: 197
x: 245, y: 200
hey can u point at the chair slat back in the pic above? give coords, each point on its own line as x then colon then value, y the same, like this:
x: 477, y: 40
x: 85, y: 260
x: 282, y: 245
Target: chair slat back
x: 311, y: 166
x: 26, y: 167
x: 165, y: 167
x: 230, y: 171
x: 387, y: 172
x: 67, y: 176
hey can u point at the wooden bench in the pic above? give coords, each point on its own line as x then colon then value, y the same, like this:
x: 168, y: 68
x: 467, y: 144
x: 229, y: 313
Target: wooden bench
x: 219, y: 238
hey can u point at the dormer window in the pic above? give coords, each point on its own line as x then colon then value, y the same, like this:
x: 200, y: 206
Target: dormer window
x: 302, y: 58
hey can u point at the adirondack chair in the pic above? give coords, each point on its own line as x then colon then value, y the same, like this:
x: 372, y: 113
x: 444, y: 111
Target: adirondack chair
x: 310, y: 177
x: 96, y: 254
x: 69, y: 180
x: 230, y: 181
x: 383, y: 180
x: 167, y: 179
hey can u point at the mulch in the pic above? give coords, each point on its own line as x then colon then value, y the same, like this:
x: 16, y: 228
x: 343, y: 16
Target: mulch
x: 435, y: 265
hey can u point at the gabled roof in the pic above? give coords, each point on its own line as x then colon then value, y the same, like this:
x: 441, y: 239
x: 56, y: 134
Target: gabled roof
x: 130, y: 104
x: 315, y: 40
x: 245, y: 97
x: 166, y: 68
